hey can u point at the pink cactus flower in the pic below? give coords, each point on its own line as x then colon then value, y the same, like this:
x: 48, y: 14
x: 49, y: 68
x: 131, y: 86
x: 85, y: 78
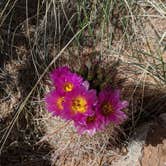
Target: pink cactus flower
x: 110, y: 107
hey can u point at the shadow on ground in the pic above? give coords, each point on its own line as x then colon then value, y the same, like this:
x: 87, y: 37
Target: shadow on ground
x: 20, y: 148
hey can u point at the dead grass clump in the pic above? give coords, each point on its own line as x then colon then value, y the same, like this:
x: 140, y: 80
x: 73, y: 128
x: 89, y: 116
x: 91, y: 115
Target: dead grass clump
x: 34, y: 36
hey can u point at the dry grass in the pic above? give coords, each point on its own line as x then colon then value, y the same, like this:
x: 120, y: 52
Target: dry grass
x: 36, y: 36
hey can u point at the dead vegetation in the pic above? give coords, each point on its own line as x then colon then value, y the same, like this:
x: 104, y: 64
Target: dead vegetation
x: 36, y: 36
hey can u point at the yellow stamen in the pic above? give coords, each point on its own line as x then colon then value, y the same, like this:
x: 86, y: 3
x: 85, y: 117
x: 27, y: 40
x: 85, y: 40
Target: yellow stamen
x: 107, y: 109
x: 59, y: 102
x: 90, y: 119
x: 79, y: 104
x: 68, y: 87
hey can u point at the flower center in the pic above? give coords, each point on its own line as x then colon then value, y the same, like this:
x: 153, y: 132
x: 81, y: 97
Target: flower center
x: 68, y: 87
x: 79, y: 104
x: 106, y: 109
x: 59, y: 102
x: 90, y: 119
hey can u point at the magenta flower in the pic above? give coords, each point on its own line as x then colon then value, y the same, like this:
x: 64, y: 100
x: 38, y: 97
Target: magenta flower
x: 110, y: 107
x: 59, y: 73
x: 85, y: 84
x: 54, y: 103
x: 79, y: 103
x: 65, y: 81
x: 89, y: 124
x: 73, y: 100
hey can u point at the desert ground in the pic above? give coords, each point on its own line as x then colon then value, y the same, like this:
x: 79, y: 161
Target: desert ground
x: 117, y: 43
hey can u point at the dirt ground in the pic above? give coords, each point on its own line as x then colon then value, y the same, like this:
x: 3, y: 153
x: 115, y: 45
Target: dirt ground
x: 154, y: 150
x: 18, y: 75
x: 148, y: 146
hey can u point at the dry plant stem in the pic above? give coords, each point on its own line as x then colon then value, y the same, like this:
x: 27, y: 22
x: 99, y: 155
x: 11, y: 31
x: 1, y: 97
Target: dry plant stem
x: 51, y: 134
x: 6, y: 134
x: 4, y: 17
